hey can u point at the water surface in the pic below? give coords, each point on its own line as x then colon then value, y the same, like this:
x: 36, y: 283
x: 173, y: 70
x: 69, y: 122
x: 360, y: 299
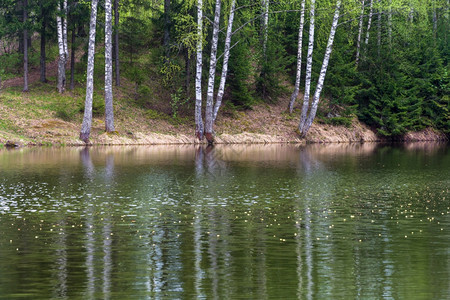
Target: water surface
x: 232, y: 222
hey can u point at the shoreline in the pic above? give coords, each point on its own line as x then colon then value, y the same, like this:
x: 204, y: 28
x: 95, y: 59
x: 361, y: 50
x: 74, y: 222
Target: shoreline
x: 244, y: 138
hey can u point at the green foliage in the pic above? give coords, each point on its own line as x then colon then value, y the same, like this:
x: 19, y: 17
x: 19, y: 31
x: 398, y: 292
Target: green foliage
x: 239, y: 76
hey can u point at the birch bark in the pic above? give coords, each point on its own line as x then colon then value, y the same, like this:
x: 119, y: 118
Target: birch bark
x: 109, y: 110
x: 226, y: 58
x: 299, y: 58
x: 212, y: 75
x: 87, y: 119
x: 358, y: 42
x: 309, y: 61
x: 66, y: 50
x: 323, y: 70
x: 62, y: 53
x: 198, y: 76
x: 265, y: 24
x: 369, y: 23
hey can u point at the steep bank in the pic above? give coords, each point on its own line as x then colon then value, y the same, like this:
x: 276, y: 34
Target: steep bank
x: 36, y: 118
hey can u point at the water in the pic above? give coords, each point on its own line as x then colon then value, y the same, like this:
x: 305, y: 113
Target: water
x: 237, y: 222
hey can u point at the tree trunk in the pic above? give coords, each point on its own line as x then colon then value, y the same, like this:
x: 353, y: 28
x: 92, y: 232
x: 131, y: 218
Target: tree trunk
x: 226, y: 58
x: 167, y: 27
x: 66, y: 50
x: 87, y: 119
x: 265, y: 24
x: 109, y: 109
x: 212, y: 76
x: 299, y: 58
x: 72, y: 60
x: 323, y: 70
x: 187, y: 59
x: 309, y: 61
x: 116, y: 41
x: 43, y: 77
x: 369, y: 24
x: 198, y: 76
x: 25, y: 47
x: 358, y: 42
x: 62, y: 54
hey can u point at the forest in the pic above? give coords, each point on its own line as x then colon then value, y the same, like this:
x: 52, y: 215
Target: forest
x: 382, y: 62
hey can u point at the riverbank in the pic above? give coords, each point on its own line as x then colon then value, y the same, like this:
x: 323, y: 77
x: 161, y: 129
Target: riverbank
x: 43, y: 117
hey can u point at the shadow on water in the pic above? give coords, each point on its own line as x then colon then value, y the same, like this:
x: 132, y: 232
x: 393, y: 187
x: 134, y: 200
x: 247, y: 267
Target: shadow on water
x: 238, y: 221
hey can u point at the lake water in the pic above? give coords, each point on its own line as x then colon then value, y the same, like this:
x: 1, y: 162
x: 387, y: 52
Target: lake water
x: 233, y: 222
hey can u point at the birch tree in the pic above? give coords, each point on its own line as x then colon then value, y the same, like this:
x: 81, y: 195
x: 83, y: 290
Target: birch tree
x: 369, y: 24
x: 212, y: 75
x: 360, y: 29
x: 309, y: 60
x: 265, y: 21
x: 323, y: 71
x: 198, y: 76
x: 61, y: 24
x: 226, y: 58
x: 109, y: 110
x: 87, y: 119
x: 299, y: 57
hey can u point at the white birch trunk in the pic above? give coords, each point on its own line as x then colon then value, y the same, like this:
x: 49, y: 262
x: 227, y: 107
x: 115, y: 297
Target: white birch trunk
x: 198, y: 77
x: 66, y: 50
x: 226, y: 58
x: 265, y: 24
x: 109, y: 110
x: 116, y: 41
x: 323, y: 70
x: 369, y: 23
x: 299, y: 58
x: 212, y: 75
x: 87, y: 119
x: 61, y: 48
x: 309, y: 61
x: 358, y: 41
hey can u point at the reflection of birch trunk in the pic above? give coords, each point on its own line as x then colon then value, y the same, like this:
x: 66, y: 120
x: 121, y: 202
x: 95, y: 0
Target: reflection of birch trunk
x: 198, y: 78
x: 358, y: 41
x: 87, y: 119
x: 299, y: 58
x: 212, y: 75
x: 309, y: 60
x: 323, y: 71
x: 198, y: 254
x: 226, y: 57
x: 109, y: 110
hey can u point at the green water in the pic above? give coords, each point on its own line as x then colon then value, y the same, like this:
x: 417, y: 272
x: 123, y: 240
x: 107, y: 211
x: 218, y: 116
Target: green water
x: 243, y: 222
